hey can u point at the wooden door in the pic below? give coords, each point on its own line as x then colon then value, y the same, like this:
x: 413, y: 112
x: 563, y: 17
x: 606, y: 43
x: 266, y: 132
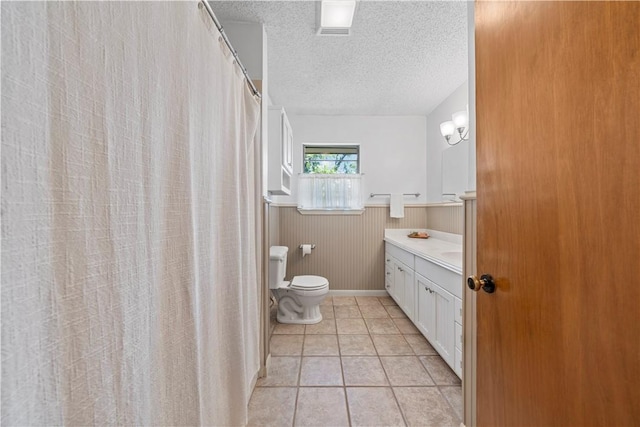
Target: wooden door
x: 558, y: 186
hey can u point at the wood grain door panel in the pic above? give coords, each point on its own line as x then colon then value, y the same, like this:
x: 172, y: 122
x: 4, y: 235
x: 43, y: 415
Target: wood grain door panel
x: 558, y: 185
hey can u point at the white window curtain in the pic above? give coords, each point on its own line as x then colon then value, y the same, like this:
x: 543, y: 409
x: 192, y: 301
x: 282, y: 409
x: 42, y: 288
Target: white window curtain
x: 330, y: 192
x: 129, y: 272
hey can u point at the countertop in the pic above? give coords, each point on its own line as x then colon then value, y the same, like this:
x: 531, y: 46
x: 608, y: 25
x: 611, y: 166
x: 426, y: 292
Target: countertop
x: 443, y: 249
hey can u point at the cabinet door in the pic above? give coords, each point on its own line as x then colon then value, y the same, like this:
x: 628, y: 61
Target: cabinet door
x: 435, y: 317
x: 457, y: 368
x: 425, y: 318
x: 408, y: 294
x: 398, y: 283
x: 401, y: 273
x: 287, y: 143
x: 444, y: 332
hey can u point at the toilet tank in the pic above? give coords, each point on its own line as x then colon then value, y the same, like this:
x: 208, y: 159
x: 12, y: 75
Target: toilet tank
x: 277, y: 265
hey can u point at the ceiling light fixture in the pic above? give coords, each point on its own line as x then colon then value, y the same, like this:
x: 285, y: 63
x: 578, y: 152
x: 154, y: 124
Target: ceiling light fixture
x: 336, y: 16
x: 337, y: 13
x: 460, y: 122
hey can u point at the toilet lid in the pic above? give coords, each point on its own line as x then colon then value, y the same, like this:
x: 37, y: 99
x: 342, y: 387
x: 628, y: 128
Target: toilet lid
x: 308, y: 282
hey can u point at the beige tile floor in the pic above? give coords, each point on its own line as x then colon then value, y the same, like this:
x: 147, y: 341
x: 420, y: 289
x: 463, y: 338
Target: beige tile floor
x: 365, y: 364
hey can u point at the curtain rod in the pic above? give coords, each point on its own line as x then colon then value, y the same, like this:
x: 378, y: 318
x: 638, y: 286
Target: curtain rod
x: 205, y: 3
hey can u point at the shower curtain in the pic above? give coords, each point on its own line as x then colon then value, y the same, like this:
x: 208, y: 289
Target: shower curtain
x: 129, y: 252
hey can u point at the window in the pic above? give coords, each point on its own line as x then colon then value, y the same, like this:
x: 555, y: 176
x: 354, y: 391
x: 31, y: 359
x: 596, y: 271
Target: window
x: 331, y: 181
x: 331, y: 159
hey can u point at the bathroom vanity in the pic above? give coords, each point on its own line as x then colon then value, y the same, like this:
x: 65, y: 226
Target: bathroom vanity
x: 424, y: 277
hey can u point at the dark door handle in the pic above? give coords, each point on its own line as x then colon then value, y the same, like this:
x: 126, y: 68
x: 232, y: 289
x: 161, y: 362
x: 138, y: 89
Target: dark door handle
x: 485, y: 282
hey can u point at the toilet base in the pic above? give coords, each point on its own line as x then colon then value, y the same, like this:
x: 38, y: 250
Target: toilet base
x: 292, y: 312
x: 311, y: 317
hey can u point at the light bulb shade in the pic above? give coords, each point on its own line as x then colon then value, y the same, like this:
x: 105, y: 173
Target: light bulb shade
x: 447, y: 128
x: 337, y: 13
x: 460, y: 119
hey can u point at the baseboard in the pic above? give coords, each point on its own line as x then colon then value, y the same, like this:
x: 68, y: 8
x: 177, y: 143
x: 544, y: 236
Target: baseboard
x: 356, y: 293
x: 265, y: 369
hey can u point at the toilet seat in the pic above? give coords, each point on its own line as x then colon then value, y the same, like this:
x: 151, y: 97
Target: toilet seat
x: 308, y: 283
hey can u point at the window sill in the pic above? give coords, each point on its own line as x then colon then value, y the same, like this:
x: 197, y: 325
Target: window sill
x: 331, y: 211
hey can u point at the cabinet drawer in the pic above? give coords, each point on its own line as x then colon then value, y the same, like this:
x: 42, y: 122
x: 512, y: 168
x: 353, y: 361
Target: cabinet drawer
x: 401, y: 255
x: 458, y: 314
x: 458, y: 336
x: 457, y: 367
x: 388, y: 273
x: 450, y: 281
x: 388, y: 259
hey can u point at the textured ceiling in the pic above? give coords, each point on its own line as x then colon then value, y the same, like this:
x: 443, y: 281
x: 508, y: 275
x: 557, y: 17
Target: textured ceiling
x: 402, y: 58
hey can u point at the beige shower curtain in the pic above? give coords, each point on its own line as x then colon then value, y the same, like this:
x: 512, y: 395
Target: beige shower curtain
x: 129, y: 277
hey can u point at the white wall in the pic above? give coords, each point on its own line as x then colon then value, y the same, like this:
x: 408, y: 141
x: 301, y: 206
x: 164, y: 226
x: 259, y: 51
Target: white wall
x: 249, y: 39
x: 392, y: 151
x: 436, y: 143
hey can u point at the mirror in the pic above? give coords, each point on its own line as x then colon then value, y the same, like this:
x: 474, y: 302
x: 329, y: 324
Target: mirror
x: 455, y: 170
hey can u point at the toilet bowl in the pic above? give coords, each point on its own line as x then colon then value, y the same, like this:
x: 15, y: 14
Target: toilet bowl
x: 298, y: 300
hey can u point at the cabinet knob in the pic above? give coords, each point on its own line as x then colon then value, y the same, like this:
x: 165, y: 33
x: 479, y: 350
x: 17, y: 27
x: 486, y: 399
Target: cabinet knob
x: 388, y: 260
x: 485, y: 282
x: 388, y: 273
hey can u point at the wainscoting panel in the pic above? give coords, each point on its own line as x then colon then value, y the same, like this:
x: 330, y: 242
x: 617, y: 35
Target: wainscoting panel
x: 349, y: 248
x: 449, y: 219
x: 274, y: 225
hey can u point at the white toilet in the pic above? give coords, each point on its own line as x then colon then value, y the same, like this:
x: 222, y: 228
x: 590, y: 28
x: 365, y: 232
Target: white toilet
x: 298, y: 300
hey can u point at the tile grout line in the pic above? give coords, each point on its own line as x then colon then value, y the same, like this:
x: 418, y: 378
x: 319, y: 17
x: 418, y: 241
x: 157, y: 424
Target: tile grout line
x: 344, y: 382
x: 295, y: 405
x: 393, y: 393
x: 377, y: 355
x: 449, y: 403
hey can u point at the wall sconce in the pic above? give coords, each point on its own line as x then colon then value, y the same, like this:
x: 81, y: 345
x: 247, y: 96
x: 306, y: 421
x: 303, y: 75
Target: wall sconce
x: 460, y: 123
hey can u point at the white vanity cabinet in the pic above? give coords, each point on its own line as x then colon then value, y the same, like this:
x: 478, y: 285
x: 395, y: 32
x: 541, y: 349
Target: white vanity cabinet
x: 403, y: 277
x: 435, y: 317
x: 400, y: 265
x: 457, y: 359
x: 425, y: 319
x: 407, y: 276
x: 430, y: 295
x: 388, y: 275
x: 280, y: 152
x: 437, y: 309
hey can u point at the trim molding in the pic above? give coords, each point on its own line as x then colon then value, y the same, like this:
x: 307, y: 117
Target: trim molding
x: 372, y: 205
x: 331, y: 211
x: 443, y: 204
x: 356, y: 293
